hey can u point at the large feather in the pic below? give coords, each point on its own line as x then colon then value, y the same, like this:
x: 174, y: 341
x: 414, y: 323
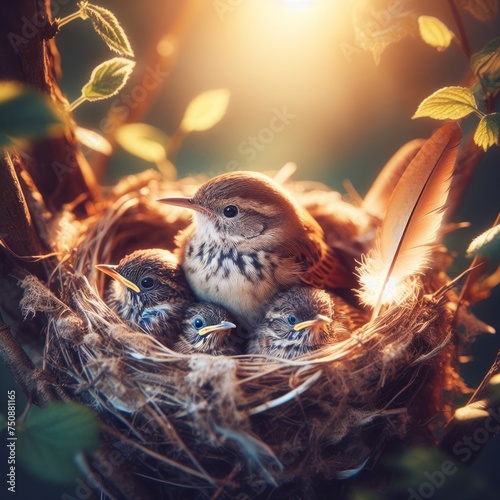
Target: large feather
x: 376, y: 200
x: 412, y: 221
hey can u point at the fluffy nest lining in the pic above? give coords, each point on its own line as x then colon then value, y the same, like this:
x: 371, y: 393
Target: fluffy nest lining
x: 208, y: 424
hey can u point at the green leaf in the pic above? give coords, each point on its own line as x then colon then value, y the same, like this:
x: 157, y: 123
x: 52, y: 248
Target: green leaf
x: 483, y: 10
x: 360, y: 493
x: 434, y: 32
x: 26, y: 114
x: 478, y: 59
x: 488, y: 131
x: 52, y: 437
x: 108, y: 79
x: 375, y: 30
x: 487, y: 243
x: 205, y: 110
x: 143, y: 140
x: 416, y: 466
x: 486, y: 64
x: 448, y: 103
x: 108, y: 27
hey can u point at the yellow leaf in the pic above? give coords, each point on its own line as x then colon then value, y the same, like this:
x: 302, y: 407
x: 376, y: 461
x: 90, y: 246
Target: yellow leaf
x: 470, y: 412
x: 375, y: 30
x: 144, y: 141
x: 487, y: 243
x: 205, y: 110
x: 448, y: 103
x: 9, y: 90
x: 434, y: 32
x: 93, y: 140
x: 107, y: 79
x: 488, y: 131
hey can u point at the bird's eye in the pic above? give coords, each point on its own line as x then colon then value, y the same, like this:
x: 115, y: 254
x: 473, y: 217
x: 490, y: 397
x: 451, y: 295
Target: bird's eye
x: 147, y: 282
x: 230, y: 211
x: 292, y: 319
x: 198, y: 323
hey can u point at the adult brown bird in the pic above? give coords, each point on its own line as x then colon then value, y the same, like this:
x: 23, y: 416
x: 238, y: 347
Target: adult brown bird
x: 250, y: 239
x: 149, y: 289
x: 206, y: 328
x: 299, y: 321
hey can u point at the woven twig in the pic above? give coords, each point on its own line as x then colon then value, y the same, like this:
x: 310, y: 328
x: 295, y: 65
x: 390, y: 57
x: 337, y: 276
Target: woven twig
x: 211, y: 422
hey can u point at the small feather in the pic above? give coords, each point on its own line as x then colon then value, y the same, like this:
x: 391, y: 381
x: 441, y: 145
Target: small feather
x: 411, y: 222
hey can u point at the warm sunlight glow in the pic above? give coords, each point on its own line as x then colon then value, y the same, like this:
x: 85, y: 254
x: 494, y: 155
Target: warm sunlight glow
x: 298, y: 4
x: 280, y: 57
x: 396, y: 291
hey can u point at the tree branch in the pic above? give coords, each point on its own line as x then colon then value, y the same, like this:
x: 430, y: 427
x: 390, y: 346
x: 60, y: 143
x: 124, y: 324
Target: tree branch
x: 16, y: 226
x: 34, y: 383
x: 28, y: 55
x: 464, y: 41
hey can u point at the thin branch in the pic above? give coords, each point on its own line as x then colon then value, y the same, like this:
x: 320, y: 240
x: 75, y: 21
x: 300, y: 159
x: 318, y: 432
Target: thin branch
x: 469, y: 158
x: 34, y: 383
x: 16, y: 225
x: 462, y: 438
x: 101, y: 468
x: 464, y: 41
x: 68, y: 19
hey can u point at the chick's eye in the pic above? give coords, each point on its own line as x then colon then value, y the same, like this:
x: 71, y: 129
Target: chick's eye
x: 230, y: 211
x: 292, y: 319
x: 147, y: 282
x: 198, y: 323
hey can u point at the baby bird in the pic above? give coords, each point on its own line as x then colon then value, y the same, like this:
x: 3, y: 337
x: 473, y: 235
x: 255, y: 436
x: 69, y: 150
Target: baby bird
x: 250, y: 239
x: 206, y: 328
x: 149, y: 289
x: 297, y: 322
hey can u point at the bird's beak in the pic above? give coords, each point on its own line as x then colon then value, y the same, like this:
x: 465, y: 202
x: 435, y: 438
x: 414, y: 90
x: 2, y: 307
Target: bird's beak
x: 111, y: 271
x: 317, y: 321
x: 225, y: 325
x: 186, y: 203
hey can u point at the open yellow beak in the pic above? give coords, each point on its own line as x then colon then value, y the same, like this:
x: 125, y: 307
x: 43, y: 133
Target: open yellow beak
x: 185, y: 203
x: 225, y: 325
x: 113, y: 273
x: 317, y: 321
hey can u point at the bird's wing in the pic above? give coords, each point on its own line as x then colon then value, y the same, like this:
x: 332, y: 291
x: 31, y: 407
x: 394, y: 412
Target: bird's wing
x: 322, y: 267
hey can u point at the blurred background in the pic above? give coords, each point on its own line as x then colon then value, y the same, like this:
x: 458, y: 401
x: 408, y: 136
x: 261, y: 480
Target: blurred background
x: 302, y: 90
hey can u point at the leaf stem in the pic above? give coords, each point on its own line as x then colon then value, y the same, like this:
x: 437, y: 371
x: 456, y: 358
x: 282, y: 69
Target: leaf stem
x: 464, y: 41
x: 68, y: 19
x: 76, y: 103
x: 23, y: 416
x: 167, y: 169
x: 479, y: 113
x: 175, y: 142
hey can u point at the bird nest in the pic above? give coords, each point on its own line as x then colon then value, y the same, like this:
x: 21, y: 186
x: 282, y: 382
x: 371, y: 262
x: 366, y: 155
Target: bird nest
x: 203, y: 425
